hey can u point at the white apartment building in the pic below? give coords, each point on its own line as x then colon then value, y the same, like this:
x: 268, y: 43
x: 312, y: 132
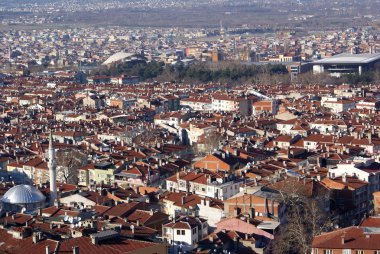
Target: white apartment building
x: 363, y: 168
x: 337, y: 105
x: 184, y: 233
x: 209, y: 185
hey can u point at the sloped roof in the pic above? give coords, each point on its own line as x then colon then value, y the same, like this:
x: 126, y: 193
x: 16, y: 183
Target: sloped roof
x: 117, y: 57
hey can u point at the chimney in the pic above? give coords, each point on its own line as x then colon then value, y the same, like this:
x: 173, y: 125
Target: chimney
x: 183, y: 199
x: 208, y: 178
x: 47, y: 249
x: 76, y: 250
x: 344, y: 178
x: 236, y: 211
x: 94, y: 240
x: 251, y: 213
x: 138, y: 223
x: 35, y: 238
x: 342, y: 239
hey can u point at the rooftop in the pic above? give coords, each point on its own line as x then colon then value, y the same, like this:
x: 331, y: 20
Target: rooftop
x: 347, y: 58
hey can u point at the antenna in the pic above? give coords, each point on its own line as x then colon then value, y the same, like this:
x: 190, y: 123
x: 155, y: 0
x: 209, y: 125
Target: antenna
x: 10, y: 53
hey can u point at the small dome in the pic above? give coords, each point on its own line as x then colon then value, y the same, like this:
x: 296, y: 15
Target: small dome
x: 23, y: 194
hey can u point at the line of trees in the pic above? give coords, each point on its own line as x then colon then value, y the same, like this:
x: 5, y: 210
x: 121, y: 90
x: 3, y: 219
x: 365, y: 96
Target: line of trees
x: 229, y: 73
x: 144, y: 70
x: 199, y: 72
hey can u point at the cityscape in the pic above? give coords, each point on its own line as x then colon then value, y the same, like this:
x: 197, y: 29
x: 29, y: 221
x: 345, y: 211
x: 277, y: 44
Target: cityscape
x: 174, y: 127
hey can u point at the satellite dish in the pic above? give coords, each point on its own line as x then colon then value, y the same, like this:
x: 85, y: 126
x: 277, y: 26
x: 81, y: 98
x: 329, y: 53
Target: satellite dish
x: 71, y: 220
x: 132, y: 227
x: 66, y: 218
x: 79, y: 218
x: 80, y: 224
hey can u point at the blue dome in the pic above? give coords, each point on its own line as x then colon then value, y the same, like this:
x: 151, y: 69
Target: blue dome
x: 23, y: 194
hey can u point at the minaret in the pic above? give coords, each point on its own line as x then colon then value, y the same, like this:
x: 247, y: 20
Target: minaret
x: 52, y: 165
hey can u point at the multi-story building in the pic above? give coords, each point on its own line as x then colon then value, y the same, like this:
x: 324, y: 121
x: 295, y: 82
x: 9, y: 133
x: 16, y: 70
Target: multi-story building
x: 338, y: 105
x: 198, y: 104
x: 351, y: 240
x: 93, y: 101
x: 206, y: 184
x: 223, y: 102
x: 102, y: 172
x: 362, y: 168
x: 184, y: 233
x: 350, y: 198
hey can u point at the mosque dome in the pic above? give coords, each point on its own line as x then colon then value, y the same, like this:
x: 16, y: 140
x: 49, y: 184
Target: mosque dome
x: 23, y: 194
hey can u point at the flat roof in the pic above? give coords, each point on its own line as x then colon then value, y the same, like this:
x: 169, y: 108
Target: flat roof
x: 347, y: 58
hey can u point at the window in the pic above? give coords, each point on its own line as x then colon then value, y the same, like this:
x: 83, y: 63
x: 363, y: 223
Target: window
x: 359, y: 252
x: 327, y: 252
x: 178, y: 232
x: 346, y: 251
x: 183, y: 232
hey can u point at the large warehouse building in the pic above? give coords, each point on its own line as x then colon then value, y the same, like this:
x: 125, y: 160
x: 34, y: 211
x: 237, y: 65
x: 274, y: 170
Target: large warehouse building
x: 346, y: 63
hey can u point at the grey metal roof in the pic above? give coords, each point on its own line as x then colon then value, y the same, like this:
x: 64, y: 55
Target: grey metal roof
x: 105, y: 233
x: 117, y: 57
x: 23, y: 194
x: 347, y: 58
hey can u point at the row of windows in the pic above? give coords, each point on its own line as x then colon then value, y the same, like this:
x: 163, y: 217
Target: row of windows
x: 180, y: 232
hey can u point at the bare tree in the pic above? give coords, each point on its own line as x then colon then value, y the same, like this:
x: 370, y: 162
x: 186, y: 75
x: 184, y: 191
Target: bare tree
x: 68, y: 163
x: 306, y: 217
x: 212, y: 141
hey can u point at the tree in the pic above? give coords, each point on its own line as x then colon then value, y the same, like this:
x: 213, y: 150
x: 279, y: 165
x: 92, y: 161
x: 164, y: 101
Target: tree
x: 306, y: 215
x: 69, y: 161
x: 211, y: 142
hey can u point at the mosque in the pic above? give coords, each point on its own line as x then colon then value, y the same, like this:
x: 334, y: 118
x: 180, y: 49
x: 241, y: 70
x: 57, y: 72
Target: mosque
x: 27, y: 198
